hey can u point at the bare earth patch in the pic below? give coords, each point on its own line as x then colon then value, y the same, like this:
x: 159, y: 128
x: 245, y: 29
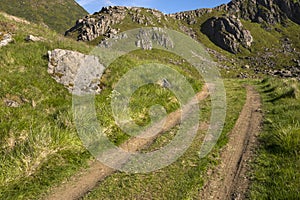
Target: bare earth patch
x: 229, y: 180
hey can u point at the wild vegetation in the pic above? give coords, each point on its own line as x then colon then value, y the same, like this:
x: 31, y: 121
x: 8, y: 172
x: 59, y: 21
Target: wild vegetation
x: 39, y: 145
x: 276, y: 170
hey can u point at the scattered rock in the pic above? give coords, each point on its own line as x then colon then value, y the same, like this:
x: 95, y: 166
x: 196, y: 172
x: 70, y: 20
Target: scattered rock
x: 79, y: 73
x: 5, y: 39
x: 243, y: 75
x: 290, y: 72
x: 31, y: 38
x: 227, y: 32
x: 11, y: 103
x: 189, y: 31
x: 14, y: 101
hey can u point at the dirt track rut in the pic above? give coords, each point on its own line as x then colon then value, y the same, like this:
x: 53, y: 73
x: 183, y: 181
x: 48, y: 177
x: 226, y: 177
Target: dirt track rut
x: 229, y: 180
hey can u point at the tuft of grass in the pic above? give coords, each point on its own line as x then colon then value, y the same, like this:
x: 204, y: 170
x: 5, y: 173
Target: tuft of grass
x: 285, y: 139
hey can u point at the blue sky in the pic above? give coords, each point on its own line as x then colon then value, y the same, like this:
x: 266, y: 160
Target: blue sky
x: 166, y: 6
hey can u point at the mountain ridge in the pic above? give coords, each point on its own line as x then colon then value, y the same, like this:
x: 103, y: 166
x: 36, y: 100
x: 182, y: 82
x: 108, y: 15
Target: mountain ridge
x: 235, y: 28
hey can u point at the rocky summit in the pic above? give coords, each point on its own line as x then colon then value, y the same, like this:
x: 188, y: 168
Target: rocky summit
x: 225, y: 30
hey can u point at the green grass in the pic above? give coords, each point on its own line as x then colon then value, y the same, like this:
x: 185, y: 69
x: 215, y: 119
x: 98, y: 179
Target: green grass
x: 146, y: 96
x: 276, y: 170
x: 183, y: 178
x: 39, y: 146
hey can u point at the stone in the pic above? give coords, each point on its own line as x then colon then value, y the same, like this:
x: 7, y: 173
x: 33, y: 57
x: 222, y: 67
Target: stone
x: 14, y: 101
x: 227, y: 32
x: 79, y: 73
x: 11, y: 103
x: 246, y: 67
x: 5, y: 39
x: 31, y: 38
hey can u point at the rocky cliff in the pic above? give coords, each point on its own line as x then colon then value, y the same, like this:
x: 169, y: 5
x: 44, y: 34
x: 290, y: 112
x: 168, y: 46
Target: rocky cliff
x: 227, y: 32
x: 268, y: 11
x: 109, y: 21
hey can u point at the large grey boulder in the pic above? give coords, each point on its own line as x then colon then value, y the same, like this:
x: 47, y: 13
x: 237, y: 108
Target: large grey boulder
x: 227, y: 32
x: 78, y: 72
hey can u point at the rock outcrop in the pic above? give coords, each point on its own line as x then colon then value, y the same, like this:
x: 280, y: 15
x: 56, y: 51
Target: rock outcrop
x: 227, y: 32
x: 268, y: 11
x: 147, y: 37
x: 78, y: 72
x: 190, y: 17
x: 101, y: 23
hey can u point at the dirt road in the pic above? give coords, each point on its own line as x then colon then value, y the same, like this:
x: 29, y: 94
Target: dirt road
x: 86, y: 180
x: 229, y: 179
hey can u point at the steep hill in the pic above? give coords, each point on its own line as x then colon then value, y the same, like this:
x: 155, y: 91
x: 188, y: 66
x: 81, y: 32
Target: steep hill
x: 58, y: 15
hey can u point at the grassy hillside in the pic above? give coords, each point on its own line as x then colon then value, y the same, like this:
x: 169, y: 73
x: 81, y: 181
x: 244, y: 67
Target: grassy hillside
x: 39, y: 146
x: 58, y: 15
x: 38, y: 142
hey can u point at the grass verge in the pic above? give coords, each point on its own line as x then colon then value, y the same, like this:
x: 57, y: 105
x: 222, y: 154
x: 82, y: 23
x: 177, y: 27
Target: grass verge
x: 276, y: 170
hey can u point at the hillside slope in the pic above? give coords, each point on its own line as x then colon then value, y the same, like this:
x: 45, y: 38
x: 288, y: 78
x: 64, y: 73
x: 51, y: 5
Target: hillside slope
x: 58, y: 15
x: 257, y: 32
